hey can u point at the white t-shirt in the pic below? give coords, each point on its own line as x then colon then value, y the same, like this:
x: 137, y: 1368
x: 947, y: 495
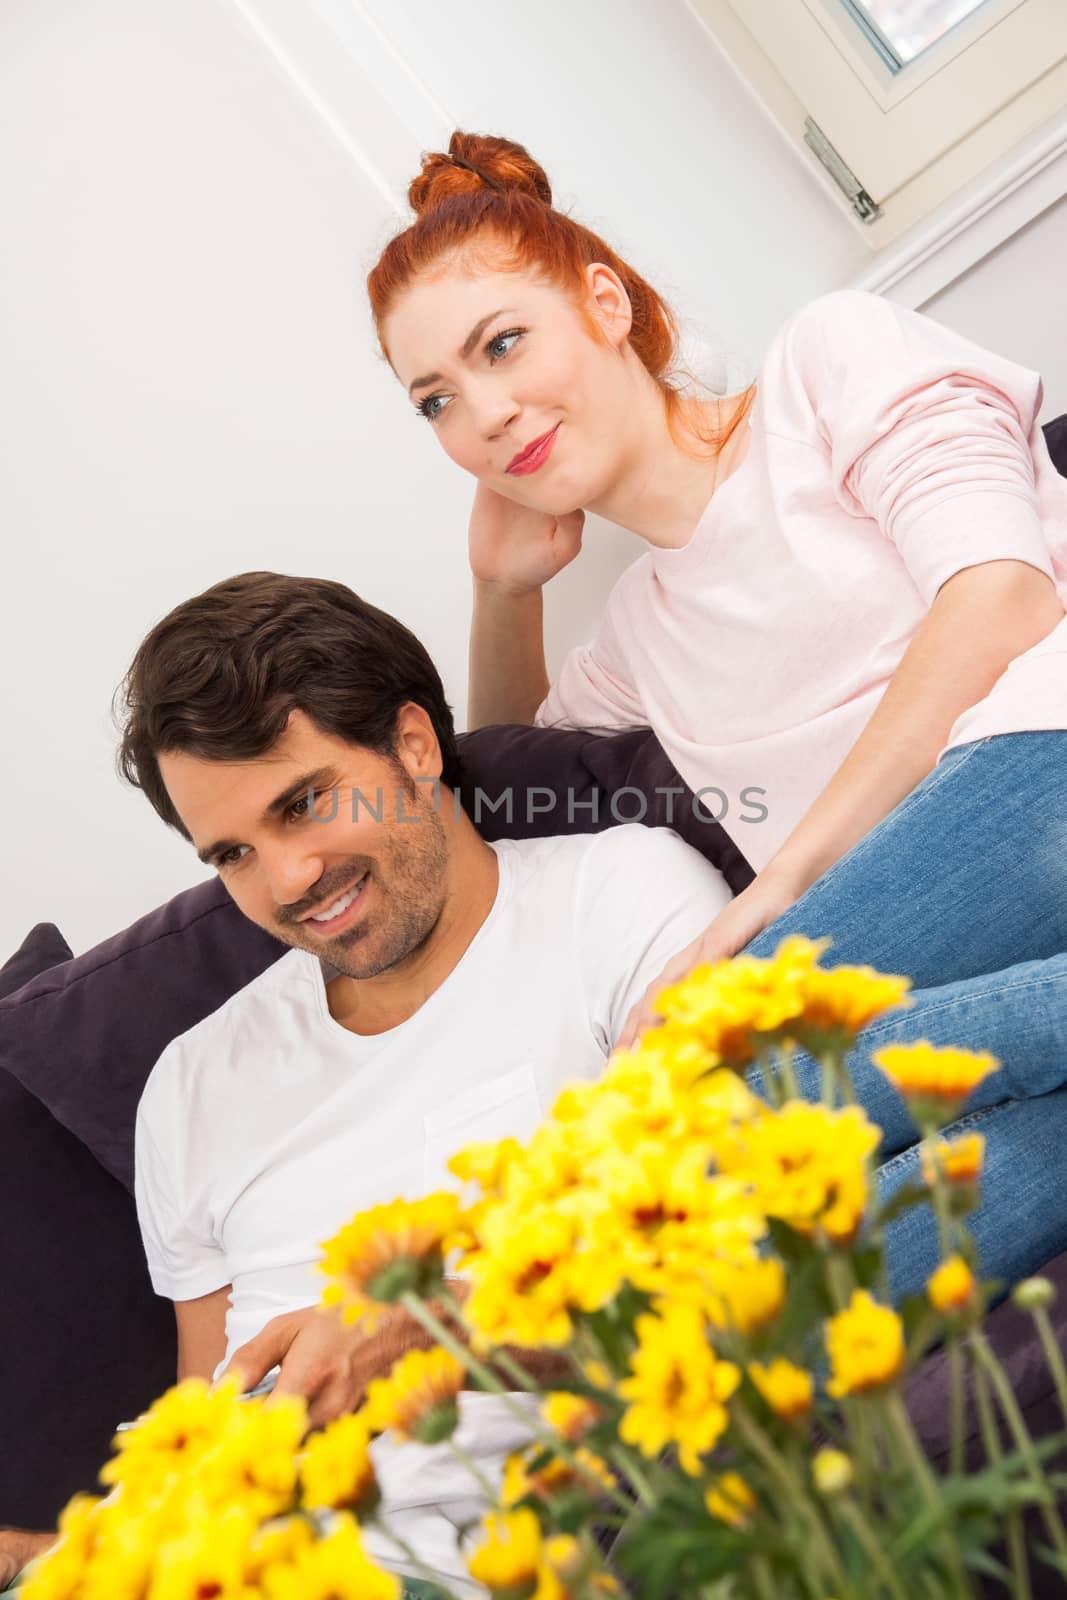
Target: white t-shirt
x: 268, y: 1125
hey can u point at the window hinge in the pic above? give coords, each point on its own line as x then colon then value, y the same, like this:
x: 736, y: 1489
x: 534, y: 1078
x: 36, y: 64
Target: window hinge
x: 865, y: 208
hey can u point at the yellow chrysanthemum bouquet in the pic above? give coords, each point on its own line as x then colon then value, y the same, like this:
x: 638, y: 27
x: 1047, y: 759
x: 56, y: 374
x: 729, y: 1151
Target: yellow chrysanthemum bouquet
x: 691, y: 1276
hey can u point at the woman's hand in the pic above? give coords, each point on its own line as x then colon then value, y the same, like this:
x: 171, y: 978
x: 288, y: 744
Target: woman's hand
x: 516, y: 549
x: 754, y: 909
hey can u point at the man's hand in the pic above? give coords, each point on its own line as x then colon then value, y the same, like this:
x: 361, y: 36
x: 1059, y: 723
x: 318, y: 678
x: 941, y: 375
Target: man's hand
x: 324, y: 1359
x: 17, y: 1548
x: 754, y: 909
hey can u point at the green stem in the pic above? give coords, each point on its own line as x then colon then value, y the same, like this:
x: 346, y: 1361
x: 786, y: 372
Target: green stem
x: 468, y: 1462
x: 788, y: 1071
x: 771, y: 1089
x: 633, y: 1473
x: 905, y: 1435
x: 413, y: 1560
x: 828, y: 1079
x: 987, y: 1422
x: 1021, y: 1434
x: 761, y: 1577
x: 492, y: 1385
x: 867, y: 1539
x: 1053, y: 1355
x: 956, y: 1406
x: 796, y: 1496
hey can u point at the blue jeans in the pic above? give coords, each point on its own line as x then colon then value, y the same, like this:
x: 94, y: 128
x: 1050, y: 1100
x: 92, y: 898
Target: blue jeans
x: 963, y: 888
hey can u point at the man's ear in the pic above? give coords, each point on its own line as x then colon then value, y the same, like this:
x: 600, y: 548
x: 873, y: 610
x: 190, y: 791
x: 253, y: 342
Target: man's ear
x: 415, y: 742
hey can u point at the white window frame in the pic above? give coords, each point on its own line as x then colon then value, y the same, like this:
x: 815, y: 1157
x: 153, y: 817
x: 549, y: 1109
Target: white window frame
x: 991, y: 90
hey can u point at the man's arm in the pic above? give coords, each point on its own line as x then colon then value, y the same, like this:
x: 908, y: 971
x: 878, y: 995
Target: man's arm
x: 202, y: 1333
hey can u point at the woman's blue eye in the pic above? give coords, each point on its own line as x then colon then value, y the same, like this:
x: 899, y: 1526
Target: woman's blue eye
x: 493, y: 350
x: 425, y: 407
x: 434, y: 406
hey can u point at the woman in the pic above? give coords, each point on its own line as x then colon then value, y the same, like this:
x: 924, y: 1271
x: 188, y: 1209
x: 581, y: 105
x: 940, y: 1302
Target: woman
x: 849, y: 622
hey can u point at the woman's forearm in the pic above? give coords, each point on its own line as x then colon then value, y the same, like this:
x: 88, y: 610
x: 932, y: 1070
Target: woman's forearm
x: 981, y: 619
x: 508, y: 678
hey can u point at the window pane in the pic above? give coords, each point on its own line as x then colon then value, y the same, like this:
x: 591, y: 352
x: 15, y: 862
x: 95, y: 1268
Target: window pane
x: 903, y: 29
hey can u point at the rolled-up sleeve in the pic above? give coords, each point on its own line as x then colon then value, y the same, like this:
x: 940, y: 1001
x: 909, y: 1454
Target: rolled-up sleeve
x: 929, y: 435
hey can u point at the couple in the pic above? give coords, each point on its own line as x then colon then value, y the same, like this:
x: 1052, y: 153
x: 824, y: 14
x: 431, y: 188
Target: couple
x: 852, y: 598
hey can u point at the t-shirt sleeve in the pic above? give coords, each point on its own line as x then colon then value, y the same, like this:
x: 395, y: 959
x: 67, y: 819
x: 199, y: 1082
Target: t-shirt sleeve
x: 593, y: 689
x: 928, y: 434
x: 643, y: 895
x: 184, y: 1259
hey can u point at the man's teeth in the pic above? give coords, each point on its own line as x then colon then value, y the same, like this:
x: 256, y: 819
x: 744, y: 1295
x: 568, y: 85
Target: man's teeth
x: 338, y: 905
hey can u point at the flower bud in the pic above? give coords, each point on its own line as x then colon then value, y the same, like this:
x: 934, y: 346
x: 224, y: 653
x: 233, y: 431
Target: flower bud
x: 832, y: 1472
x: 1034, y: 1294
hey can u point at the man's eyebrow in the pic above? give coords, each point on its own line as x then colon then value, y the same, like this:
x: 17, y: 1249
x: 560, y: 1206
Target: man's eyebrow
x: 321, y: 778
x: 468, y: 345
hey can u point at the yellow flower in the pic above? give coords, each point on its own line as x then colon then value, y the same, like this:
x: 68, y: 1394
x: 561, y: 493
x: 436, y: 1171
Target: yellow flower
x: 336, y: 1471
x: 275, y: 1544
x: 417, y: 1399
x: 335, y: 1567
x: 953, y: 1287
x: 831, y: 1472
x: 935, y: 1081
x: 386, y: 1251
x: 839, y: 1003
x: 959, y: 1160
x: 509, y: 1556
x: 571, y: 1415
x: 486, y: 1165
x: 174, y: 1434
x: 735, y: 1008
x: 208, y: 1558
x: 590, y: 1477
x: 730, y: 1500
x: 254, y: 1463
x: 787, y: 1389
x: 866, y: 1346
x: 58, y: 1574
x: 806, y: 1165
x: 531, y: 1272
x: 678, y: 1389
x: 745, y: 1295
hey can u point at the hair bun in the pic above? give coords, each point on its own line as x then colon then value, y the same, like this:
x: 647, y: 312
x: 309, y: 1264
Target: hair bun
x: 474, y: 162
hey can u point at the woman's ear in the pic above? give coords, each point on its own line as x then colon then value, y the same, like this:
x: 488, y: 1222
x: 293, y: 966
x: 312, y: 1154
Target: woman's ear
x: 608, y: 302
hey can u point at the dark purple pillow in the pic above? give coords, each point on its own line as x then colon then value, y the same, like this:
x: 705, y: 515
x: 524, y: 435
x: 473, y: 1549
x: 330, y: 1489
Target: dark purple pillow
x: 84, y: 1036
x: 84, y: 1342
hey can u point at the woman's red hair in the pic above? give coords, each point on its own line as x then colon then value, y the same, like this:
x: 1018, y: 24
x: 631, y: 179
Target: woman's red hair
x: 490, y: 195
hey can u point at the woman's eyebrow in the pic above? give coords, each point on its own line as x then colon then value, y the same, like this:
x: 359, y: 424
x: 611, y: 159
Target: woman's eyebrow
x: 468, y: 345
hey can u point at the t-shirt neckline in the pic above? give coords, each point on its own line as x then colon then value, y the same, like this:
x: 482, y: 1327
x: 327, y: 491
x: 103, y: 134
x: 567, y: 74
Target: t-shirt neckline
x: 318, y: 978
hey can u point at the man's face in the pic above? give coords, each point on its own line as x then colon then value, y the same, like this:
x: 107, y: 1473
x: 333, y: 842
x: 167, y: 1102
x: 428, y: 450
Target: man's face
x: 332, y: 879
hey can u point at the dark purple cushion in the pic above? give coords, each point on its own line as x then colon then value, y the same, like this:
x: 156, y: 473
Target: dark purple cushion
x: 84, y: 1342
x: 84, y: 1036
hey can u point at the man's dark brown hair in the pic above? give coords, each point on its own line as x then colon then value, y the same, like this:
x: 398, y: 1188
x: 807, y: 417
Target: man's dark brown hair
x: 218, y: 677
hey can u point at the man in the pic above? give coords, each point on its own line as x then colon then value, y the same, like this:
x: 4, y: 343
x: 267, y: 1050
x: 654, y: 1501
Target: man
x: 439, y: 989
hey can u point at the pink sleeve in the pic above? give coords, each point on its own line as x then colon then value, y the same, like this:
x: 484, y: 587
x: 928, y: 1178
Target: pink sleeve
x: 593, y: 689
x: 928, y: 434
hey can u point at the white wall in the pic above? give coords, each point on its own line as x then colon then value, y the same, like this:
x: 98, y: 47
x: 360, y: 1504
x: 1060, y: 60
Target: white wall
x: 188, y: 388
x: 1013, y: 301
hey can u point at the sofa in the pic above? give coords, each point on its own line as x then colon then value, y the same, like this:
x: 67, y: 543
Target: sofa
x: 84, y: 1342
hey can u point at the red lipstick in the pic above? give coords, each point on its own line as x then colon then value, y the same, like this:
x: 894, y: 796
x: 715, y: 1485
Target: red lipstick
x: 535, y: 454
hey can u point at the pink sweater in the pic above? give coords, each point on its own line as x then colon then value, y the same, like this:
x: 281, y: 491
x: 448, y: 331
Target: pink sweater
x: 886, y: 454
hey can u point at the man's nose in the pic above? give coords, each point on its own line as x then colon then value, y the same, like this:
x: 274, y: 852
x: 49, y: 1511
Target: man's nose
x: 291, y: 875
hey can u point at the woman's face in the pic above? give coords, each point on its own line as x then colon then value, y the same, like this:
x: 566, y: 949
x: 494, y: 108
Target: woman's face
x: 498, y: 363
